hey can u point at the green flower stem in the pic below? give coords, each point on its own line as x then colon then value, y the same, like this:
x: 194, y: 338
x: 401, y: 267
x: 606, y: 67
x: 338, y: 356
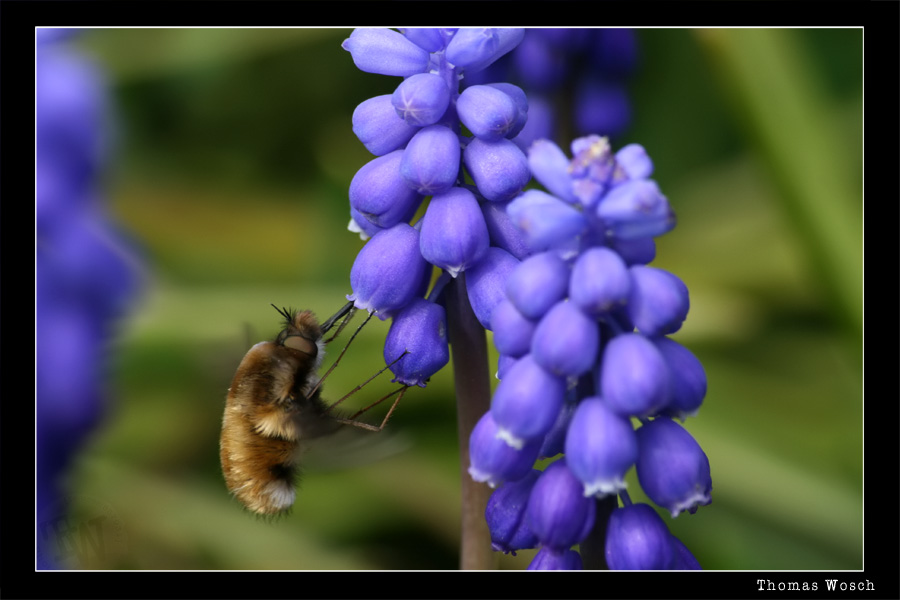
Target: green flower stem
x: 468, y: 346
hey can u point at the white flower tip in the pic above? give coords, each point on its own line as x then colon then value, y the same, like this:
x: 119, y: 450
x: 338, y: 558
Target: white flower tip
x: 511, y: 440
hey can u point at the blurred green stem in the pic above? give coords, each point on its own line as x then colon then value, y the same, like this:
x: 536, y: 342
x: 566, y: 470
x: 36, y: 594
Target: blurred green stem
x: 769, y: 81
x: 468, y: 345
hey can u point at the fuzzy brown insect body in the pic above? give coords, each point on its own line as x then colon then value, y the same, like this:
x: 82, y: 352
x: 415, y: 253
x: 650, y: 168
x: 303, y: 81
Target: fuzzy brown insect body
x: 273, y: 407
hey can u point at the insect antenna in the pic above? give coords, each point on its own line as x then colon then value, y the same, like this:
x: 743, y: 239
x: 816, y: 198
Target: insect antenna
x: 330, y: 323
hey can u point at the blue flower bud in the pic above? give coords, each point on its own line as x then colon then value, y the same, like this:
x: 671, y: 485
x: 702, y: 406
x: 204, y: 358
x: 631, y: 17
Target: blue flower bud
x: 640, y: 251
x: 555, y: 440
x: 494, y: 461
x: 379, y: 192
x: 454, y: 235
x: 638, y: 539
x: 540, y: 124
x: 636, y: 209
x: 537, y: 283
x: 505, y: 515
x: 361, y: 225
x: 635, y: 162
x: 545, y: 219
x: 634, y: 377
x: 503, y: 232
x: 684, y: 559
x: 504, y: 362
x: 550, y: 166
x: 389, y: 271
x: 379, y: 128
x: 601, y: 106
x: 430, y: 162
x: 600, y: 447
x: 385, y: 52
x: 527, y: 402
x: 600, y: 281
x: 686, y: 376
x: 421, y: 99
x: 420, y: 328
x: 565, y: 341
x: 521, y: 101
x: 499, y: 169
x: 659, y: 301
x: 541, y: 68
x: 486, y: 283
x: 672, y: 467
x: 558, y: 511
x: 488, y: 113
x: 427, y: 38
x: 474, y: 49
x: 548, y: 559
x: 512, y: 330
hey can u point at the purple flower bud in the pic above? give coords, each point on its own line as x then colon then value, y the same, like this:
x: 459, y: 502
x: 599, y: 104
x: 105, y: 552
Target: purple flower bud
x: 638, y: 539
x: 686, y: 376
x: 636, y: 209
x: 430, y: 163
x: 640, y: 251
x: 600, y: 281
x: 512, y: 330
x: 386, y: 52
x: 493, y: 460
x: 379, y: 128
x: 503, y: 232
x: 542, y: 69
x: 505, y: 515
x: 600, y: 447
x: 486, y: 283
x: 558, y: 512
x: 634, y: 377
x: 499, y: 169
x: 474, y: 49
x: 565, y: 341
x: 684, y: 559
x: 659, y: 301
x: 550, y: 167
x: 361, y: 225
x: 389, y: 271
x: 489, y: 113
x: 521, y: 101
x: 548, y: 559
x: 537, y: 283
x: 672, y: 467
x: 545, y: 219
x: 419, y: 328
x: 380, y: 194
x: 421, y: 99
x: 555, y: 440
x: 634, y: 161
x: 601, y: 106
x: 454, y: 235
x: 527, y: 402
x: 504, y: 362
x: 427, y: 38
x: 540, y: 124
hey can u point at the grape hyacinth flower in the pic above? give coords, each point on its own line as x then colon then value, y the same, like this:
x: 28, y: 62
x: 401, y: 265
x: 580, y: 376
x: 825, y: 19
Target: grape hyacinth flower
x: 84, y: 276
x: 598, y: 318
x: 592, y: 65
x: 429, y: 140
x: 561, y: 276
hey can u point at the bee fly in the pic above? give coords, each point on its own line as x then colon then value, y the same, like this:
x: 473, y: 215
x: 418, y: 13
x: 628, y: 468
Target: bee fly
x: 274, y: 405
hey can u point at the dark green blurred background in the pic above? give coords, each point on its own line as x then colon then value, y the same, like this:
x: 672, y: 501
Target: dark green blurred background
x: 233, y: 158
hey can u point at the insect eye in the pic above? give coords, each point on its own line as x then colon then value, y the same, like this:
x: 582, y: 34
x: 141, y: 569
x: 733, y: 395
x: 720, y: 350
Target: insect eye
x: 302, y: 344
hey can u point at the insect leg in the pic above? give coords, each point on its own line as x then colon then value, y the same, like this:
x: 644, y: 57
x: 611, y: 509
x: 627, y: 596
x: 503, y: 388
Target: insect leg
x: 352, y: 420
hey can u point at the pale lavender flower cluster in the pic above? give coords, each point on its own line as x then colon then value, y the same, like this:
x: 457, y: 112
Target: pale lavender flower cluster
x: 583, y: 336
